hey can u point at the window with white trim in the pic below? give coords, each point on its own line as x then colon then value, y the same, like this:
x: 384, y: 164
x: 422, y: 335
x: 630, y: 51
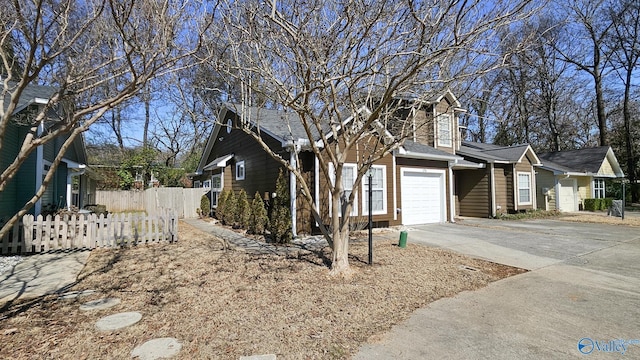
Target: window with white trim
x: 197, y: 184
x: 240, y: 170
x: 524, y: 188
x: 216, y: 182
x: 598, y: 189
x: 216, y: 188
x: 349, y: 173
x: 378, y: 191
x: 443, y: 121
x: 206, y: 184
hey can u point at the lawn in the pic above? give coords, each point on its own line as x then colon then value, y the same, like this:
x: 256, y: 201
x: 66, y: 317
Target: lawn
x: 225, y: 304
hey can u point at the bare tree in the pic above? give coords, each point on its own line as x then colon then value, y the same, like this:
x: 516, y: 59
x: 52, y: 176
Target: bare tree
x: 587, y: 50
x: 80, y: 48
x: 625, y: 58
x: 330, y: 61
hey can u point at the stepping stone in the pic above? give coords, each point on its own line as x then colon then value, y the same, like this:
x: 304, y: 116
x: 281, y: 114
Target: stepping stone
x: 100, y: 304
x: 259, y: 357
x: 160, y: 348
x: 75, y: 294
x: 118, y: 321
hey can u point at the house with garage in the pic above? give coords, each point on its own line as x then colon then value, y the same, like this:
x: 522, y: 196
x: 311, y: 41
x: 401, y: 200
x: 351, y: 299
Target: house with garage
x: 73, y: 183
x: 503, y: 180
x: 411, y: 185
x: 567, y: 178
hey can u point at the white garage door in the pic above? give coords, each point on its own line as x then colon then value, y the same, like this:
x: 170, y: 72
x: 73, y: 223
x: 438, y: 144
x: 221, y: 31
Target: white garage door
x: 567, y: 195
x: 423, y: 195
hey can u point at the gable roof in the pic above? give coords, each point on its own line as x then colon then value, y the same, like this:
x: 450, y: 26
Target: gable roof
x: 32, y: 94
x: 586, y: 161
x: 498, y: 154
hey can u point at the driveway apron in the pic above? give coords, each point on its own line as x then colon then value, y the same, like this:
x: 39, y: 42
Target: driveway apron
x: 581, y: 297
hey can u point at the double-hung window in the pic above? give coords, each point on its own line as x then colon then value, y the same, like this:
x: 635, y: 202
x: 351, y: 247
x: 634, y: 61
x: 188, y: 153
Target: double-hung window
x: 598, y: 188
x: 524, y: 188
x: 378, y: 191
x: 443, y: 122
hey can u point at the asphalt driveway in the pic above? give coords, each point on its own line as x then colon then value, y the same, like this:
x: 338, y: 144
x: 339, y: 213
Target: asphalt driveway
x: 581, y: 298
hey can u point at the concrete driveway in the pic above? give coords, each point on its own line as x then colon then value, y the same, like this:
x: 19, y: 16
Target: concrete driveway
x: 581, y: 298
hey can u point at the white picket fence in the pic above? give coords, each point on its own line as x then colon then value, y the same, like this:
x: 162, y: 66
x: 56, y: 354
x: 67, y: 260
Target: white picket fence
x: 41, y: 234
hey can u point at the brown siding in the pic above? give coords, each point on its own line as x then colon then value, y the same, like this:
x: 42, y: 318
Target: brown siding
x: 382, y: 220
x: 503, y: 175
x: 423, y: 121
x: 472, y: 189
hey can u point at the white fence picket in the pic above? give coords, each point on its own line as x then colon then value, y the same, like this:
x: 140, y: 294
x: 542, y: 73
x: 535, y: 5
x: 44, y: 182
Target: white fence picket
x: 88, y: 232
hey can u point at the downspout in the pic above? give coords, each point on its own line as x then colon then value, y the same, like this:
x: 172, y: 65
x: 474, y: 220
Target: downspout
x: 395, y: 188
x: 452, y: 203
x: 293, y: 159
x: 516, y: 198
x: 493, y: 190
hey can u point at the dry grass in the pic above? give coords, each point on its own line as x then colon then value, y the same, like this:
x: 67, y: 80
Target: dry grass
x: 222, y: 305
x: 631, y: 218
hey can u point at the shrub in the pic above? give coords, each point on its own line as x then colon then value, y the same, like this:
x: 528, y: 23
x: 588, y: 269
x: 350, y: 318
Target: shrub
x: 243, y: 211
x: 606, y: 203
x: 280, y: 219
x: 590, y: 204
x: 222, y: 200
x: 205, y: 206
x: 230, y: 208
x: 258, y: 219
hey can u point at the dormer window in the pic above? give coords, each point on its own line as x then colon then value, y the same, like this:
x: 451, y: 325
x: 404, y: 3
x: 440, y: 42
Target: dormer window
x: 443, y: 122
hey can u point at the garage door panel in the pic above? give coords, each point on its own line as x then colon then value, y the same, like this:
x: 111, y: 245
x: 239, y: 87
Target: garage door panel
x: 422, y: 197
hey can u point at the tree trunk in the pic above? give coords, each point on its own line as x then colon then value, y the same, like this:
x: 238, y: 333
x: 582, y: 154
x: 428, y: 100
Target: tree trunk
x: 340, y: 233
x: 631, y: 171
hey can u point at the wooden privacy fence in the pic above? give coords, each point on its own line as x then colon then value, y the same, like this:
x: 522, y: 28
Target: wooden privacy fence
x: 182, y: 201
x: 40, y: 234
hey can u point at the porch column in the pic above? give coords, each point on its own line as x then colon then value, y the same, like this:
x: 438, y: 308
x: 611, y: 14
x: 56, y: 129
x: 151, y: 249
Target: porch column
x: 292, y: 190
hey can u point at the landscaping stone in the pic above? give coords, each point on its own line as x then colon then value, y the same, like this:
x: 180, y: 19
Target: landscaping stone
x: 118, y: 321
x: 259, y: 357
x: 75, y: 294
x: 99, y: 304
x: 160, y: 348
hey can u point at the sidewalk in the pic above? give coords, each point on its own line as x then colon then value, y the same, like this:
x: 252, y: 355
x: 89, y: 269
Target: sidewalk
x: 42, y: 274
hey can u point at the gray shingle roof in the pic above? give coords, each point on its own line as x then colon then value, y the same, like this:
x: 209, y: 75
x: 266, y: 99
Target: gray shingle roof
x: 418, y: 148
x: 586, y: 160
x: 492, y: 153
x: 29, y: 94
x: 285, y: 125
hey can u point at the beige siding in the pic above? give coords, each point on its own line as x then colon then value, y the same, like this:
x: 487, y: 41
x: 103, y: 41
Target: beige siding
x: 546, y: 179
x: 423, y: 121
x: 606, y: 169
x: 584, y: 188
x: 472, y: 189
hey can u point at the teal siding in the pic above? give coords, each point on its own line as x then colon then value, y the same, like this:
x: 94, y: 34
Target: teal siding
x: 26, y: 178
x: 7, y: 155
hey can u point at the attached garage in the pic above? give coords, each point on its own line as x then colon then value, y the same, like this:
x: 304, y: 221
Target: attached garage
x: 423, y: 196
x: 567, y: 192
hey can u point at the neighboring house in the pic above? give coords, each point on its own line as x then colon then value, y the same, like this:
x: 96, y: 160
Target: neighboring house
x: 71, y: 184
x: 412, y: 185
x: 503, y: 181
x: 568, y: 177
